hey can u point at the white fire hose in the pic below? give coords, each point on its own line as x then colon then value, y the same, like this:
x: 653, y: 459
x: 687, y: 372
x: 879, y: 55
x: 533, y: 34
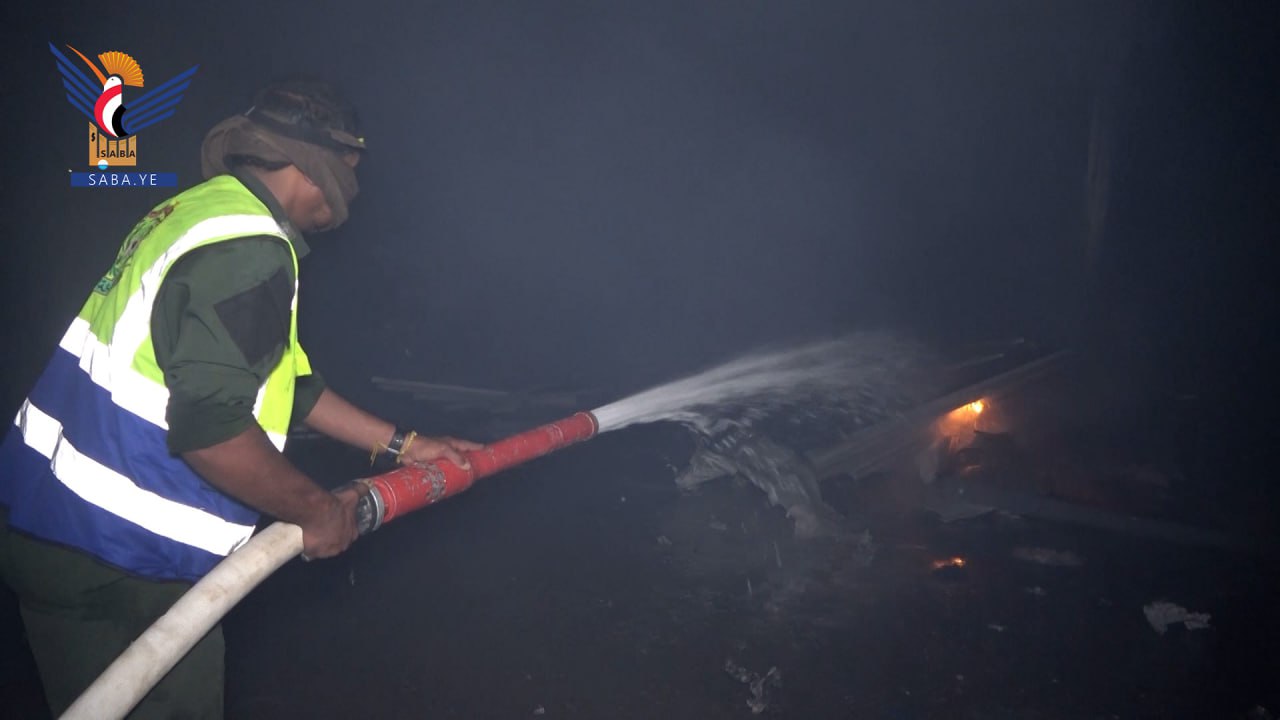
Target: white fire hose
x: 170, y: 638
x: 386, y: 496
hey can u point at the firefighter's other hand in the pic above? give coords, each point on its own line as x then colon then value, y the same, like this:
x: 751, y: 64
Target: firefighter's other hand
x: 426, y: 449
x: 333, y: 528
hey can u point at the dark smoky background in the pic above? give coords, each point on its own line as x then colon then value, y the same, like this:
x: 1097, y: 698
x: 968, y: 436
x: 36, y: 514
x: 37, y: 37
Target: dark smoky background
x: 596, y: 197
x: 603, y: 196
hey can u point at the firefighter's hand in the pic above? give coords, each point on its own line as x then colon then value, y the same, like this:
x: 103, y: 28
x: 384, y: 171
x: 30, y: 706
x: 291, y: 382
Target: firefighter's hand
x: 333, y: 528
x: 426, y: 449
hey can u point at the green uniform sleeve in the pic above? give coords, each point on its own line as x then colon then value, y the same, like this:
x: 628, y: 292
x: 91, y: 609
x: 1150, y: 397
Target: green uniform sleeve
x: 305, y: 395
x: 219, y: 324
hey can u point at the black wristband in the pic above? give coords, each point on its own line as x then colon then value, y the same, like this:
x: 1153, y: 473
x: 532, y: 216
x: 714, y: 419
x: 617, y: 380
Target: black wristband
x: 396, y: 444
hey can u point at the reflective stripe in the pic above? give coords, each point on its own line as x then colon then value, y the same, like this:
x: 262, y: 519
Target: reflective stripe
x: 134, y: 324
x: 122, y: 441
x: 276, y: 438
x: 115, y: 493
x: 129, y: 388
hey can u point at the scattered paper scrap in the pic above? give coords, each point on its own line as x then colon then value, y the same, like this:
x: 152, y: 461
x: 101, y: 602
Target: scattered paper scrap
x: 758, y: 684
x: 864, y: 549
x: 1048, y: 556
x: 1161, y: 614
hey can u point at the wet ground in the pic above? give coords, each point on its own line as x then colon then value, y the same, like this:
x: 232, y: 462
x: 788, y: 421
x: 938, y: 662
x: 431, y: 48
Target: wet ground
x: 586, y: 585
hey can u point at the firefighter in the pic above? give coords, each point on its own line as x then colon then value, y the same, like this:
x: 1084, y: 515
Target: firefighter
x: 152, y: 440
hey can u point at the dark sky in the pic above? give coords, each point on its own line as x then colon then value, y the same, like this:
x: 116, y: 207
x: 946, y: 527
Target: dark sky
x: 611, y: 194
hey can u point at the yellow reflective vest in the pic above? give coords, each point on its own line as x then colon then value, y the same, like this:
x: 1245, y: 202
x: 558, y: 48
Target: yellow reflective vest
x: 87, y: 465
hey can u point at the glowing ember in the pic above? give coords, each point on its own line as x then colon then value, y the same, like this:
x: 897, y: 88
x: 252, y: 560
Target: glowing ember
x: 966, y: 414
x: 956, y: 561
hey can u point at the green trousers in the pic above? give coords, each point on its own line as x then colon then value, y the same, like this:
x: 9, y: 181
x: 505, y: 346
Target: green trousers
x: 80, y: 614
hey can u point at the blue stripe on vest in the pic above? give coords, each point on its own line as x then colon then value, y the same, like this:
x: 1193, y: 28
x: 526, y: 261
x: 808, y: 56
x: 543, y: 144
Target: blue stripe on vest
x: 40, y: 505
x: 124, y: 442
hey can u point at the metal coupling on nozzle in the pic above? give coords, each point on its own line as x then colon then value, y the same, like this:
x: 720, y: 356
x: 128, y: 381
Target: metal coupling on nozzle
x: 370, y: 508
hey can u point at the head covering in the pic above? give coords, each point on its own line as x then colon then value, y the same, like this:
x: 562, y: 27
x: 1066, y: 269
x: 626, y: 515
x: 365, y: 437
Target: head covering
x: 318, y: 152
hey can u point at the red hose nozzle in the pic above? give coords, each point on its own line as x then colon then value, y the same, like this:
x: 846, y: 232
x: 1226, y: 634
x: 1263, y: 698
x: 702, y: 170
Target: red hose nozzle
x: 411, y: 487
